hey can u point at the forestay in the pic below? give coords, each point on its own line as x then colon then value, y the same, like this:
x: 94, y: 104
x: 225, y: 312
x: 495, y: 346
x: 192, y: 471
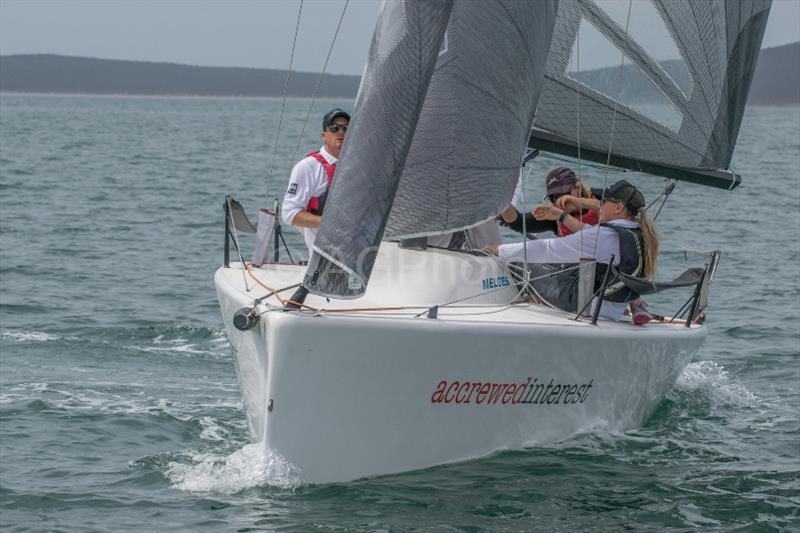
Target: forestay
x: 719, y: 41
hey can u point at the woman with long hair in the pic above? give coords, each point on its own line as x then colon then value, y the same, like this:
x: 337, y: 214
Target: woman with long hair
x: 625, y: 232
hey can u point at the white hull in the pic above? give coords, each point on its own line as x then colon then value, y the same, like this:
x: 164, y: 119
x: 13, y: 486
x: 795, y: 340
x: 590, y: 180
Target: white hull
x: 361, y: 394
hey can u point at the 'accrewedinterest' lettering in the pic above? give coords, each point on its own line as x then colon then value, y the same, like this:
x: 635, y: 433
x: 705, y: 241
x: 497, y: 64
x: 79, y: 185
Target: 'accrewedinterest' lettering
x: 529, y: 392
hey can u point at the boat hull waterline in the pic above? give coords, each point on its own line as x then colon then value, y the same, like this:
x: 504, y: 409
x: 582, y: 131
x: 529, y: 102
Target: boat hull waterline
x: 349, y: 395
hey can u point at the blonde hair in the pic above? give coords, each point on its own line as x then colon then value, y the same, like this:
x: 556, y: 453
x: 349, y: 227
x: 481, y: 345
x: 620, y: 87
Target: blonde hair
x: 586, y: 191
x: 650, y: 237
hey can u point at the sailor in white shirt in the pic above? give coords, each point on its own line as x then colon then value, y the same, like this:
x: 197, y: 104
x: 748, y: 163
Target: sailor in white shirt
x: 311, y: 178
x: 622, y: 207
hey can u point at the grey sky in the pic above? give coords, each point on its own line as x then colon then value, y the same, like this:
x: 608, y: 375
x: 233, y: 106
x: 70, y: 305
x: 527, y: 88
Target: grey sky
x: 258, y: 33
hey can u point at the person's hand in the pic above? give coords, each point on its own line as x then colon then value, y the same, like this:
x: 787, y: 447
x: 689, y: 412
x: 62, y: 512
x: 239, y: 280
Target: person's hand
x: 568, y: 203
x: 491, y: 248
x: 509, y: 215
x: 546, y: 212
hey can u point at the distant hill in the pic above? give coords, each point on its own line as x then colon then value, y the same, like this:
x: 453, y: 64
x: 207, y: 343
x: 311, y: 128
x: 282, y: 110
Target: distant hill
x: 776, y: 81
x: 46, y: 73
x: 777, y: 78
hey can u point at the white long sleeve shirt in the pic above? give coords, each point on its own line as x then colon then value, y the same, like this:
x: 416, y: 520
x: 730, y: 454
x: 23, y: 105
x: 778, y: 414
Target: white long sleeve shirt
x: 308, y: 179
x: 571, y: 249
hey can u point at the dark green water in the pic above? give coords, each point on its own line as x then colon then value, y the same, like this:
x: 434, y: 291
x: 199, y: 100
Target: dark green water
x: 120, y: 411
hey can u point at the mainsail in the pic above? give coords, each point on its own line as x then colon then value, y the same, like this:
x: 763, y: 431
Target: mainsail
x: 719, y: 41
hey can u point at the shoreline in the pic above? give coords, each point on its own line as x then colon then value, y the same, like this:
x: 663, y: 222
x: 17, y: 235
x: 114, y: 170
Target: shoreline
x: 249, y: 97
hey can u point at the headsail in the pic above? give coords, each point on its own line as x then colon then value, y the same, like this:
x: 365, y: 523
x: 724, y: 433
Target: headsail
x: 406, y: 43
x: 719, y: 41
x: 464, y: 161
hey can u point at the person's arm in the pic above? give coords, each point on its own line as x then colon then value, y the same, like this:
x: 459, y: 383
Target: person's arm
x: 549, y: 212
x: 573, y: 203
x: 513, y: 220
x: 569, y: 249
x: 304, y: 219
x: 301, y: 188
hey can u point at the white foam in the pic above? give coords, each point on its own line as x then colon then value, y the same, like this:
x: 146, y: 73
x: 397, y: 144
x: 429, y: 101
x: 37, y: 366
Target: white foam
x: 251, y: 466
x: 218, y: 346
x: 211, y: 430
x: 712, y: 379
x: 28, y: 336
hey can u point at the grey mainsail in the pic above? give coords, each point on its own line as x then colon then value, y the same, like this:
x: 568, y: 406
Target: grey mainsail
x: 464, y: 160
x: 407, y: 40
x: 719, y: 41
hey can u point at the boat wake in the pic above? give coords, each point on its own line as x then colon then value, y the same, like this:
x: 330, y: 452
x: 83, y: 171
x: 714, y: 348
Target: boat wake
x: 713, y: 381
x: 249, y: 467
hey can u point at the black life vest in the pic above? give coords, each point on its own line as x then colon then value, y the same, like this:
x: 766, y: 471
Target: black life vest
x: 631, y: 262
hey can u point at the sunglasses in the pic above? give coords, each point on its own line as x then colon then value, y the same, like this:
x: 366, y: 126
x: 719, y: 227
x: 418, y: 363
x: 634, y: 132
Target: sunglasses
x: 334, y: 128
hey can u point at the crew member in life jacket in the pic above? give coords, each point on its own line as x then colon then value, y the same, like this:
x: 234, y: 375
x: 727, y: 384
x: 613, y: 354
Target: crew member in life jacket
x: 625, y: 231
x: 312, y: 177
x: 560, y: 183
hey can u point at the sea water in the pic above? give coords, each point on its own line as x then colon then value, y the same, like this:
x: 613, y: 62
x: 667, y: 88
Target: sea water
x: 119, y: 406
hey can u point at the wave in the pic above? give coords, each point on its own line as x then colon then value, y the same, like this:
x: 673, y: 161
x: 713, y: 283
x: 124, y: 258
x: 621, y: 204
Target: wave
x: 755, y: 332
x: 28, y: 336
x: 249, y: 467
x: 183, y: 340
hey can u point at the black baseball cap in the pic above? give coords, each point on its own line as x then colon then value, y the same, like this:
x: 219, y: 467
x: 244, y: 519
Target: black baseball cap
x: 625, y: 192
x: 560, y: 180
x: 335, y: 113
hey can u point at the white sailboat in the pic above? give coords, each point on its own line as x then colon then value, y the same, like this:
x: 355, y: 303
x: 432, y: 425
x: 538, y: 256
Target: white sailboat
x: 405, y: 357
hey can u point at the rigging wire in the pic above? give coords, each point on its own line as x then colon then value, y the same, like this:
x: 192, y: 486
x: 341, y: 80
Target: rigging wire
x: 578, y: 113
x: 543, y: 276
x: 525, y: 176
x: 319, y: 80
x: 283, y: 104
x: 669, y: 186
x: 613, y: 121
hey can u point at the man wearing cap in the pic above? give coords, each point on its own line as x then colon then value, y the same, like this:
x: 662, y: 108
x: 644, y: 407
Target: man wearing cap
x: 625, y: 231
x: 312, y: 176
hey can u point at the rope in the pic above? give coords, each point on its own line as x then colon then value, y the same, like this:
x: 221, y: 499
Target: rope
x: 283, y: 104
x: 319, y: 81
x: 543, y: 276
x: 274, y: 292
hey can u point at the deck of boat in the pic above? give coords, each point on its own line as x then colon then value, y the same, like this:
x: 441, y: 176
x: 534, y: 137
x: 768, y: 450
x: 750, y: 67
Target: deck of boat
x: 258, y: 282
